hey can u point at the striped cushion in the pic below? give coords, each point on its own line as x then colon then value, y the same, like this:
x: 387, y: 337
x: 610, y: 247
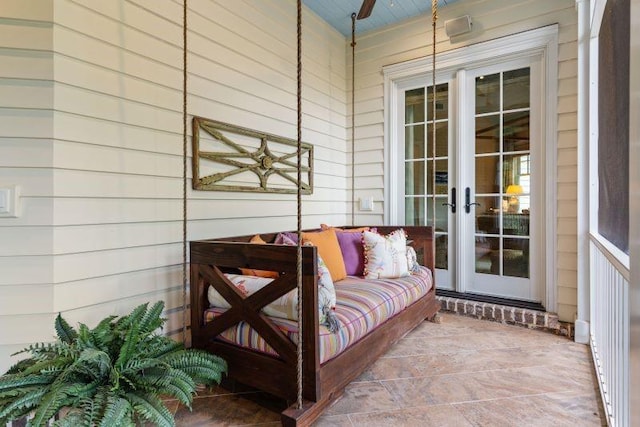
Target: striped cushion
x: 362, y: 305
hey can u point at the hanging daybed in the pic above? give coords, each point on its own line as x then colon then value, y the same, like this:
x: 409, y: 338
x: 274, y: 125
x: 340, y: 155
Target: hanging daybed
x: 275, y: 371
x: 298, y: 358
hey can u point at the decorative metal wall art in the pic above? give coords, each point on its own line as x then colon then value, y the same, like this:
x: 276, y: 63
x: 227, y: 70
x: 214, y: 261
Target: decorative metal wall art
x: 241, y: 155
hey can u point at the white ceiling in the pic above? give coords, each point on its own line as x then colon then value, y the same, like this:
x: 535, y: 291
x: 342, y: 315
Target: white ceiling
x: 386, y: 12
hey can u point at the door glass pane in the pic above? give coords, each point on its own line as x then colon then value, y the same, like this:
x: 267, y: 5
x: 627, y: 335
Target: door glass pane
x: 488, y: 134
x: 516, y: 183
x: 516, y: 89
x: 486, y: 248
x: 442, y: 102
x: 488, y: 205
x: 516, y: 131
x: 414, y: 177
x: 442, y: 176
x: 512, y: 173
x: 414, y: 142
x: 414, y: 211
x: 516, y: 224
x: 487, y: 178
x: 488, y: 93
x: 442, y: 139
x: 414, y: 106
x: 442, y: 251
x: 487, y: 220
x: 442, y: 213
x: 515, y: 257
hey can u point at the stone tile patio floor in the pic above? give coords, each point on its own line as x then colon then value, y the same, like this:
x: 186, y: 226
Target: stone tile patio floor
x: 461, y: 372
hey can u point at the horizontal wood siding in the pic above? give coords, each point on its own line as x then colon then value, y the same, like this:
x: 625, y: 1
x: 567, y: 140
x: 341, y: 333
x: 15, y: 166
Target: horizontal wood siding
x: 26, y: 156
x: 93, y: 135
x: 118, y: 156
x: 491, y: 19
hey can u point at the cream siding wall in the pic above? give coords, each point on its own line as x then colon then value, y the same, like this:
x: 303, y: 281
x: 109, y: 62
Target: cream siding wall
x: 26, y: 155
x: 491, y: 19
x: 111, y: 238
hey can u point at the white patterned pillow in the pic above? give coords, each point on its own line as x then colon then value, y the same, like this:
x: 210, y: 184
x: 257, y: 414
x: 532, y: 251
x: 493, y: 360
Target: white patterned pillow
x: 412, y: 260
x: 385, y: 256
x: 326, y: 290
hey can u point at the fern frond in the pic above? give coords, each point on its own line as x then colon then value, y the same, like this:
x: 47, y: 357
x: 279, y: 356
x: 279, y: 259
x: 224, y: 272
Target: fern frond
x: 23, y: 405
x: 95, y: 408
x: 64, y: 331
x: 181, y: 386
x: 105, y: 325
x: 51, y: 366
x: 182, y: 379
x: 7, y: 396
x: 199, y: 365
x: 85, y: 339
x: 136, y: 365
x: 35, y: 349
x: 20, y: 366
x: 152, y: 320
x: 205, y: 375
x: 193, y: 357
x: 150, y: 379
x: 183, y: 395
x: 116, y: 411
x: 129, y: 347
x: 131, y: 334
x: 151, y: 408
x: 72, y: 419
x: 134, y: 317
x: 8, y: 382
x: 104, y: 337
x: 98, y: 361
x: 50, y: 404
x: 82, y: 391
x: 162, y: 346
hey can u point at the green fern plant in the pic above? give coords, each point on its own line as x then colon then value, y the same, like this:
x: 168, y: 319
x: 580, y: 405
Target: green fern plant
x: 111, y: 375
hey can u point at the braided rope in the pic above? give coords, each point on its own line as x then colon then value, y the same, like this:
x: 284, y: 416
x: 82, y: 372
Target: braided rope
x: 353, y: 118
x: 299, y: 202
x: 184, y: 172
x: 434, y: 18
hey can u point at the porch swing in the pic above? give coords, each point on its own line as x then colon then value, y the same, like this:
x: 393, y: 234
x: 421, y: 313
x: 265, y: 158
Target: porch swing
x: 293, y: 369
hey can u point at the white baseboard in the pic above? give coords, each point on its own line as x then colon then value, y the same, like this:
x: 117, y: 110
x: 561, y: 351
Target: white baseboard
x: 581, y: 332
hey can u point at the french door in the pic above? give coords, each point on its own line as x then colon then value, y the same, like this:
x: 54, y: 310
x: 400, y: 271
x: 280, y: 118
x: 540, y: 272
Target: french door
x: 487, y: 185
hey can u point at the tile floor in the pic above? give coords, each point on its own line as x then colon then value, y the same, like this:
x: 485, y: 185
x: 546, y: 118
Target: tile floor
x: 461, y: 372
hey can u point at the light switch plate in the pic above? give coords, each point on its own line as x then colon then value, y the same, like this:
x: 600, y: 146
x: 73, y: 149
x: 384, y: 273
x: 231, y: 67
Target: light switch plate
x: 366, y: 204
x: 9, y: 201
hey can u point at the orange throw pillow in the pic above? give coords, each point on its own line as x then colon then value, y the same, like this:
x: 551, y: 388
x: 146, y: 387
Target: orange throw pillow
x: 346, y: 230
x: 329, y: 249
x: 259, y: 273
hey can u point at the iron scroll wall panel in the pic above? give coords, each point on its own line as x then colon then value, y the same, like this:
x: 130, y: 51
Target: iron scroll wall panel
x: 248, y: 160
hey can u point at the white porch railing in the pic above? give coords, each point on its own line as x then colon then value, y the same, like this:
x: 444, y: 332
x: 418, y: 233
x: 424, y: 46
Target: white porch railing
x: 610, y: 331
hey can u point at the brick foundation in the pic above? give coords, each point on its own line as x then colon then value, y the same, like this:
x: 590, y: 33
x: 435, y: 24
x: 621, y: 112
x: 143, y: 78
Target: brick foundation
x: 531, y: 319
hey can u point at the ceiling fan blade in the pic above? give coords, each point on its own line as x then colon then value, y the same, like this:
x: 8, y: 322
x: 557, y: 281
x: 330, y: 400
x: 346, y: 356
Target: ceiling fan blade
x: 366, y: 8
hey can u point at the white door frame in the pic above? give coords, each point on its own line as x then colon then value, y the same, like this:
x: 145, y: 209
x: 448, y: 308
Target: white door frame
x: 541, y: 42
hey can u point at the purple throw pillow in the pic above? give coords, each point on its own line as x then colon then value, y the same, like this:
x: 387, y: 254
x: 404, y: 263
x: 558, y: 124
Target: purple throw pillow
x: 286, y: 238
x: 352, y: 252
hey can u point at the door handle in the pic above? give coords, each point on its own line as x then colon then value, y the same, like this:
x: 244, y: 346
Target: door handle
x: 467, y: 200
x: 453, y: 200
